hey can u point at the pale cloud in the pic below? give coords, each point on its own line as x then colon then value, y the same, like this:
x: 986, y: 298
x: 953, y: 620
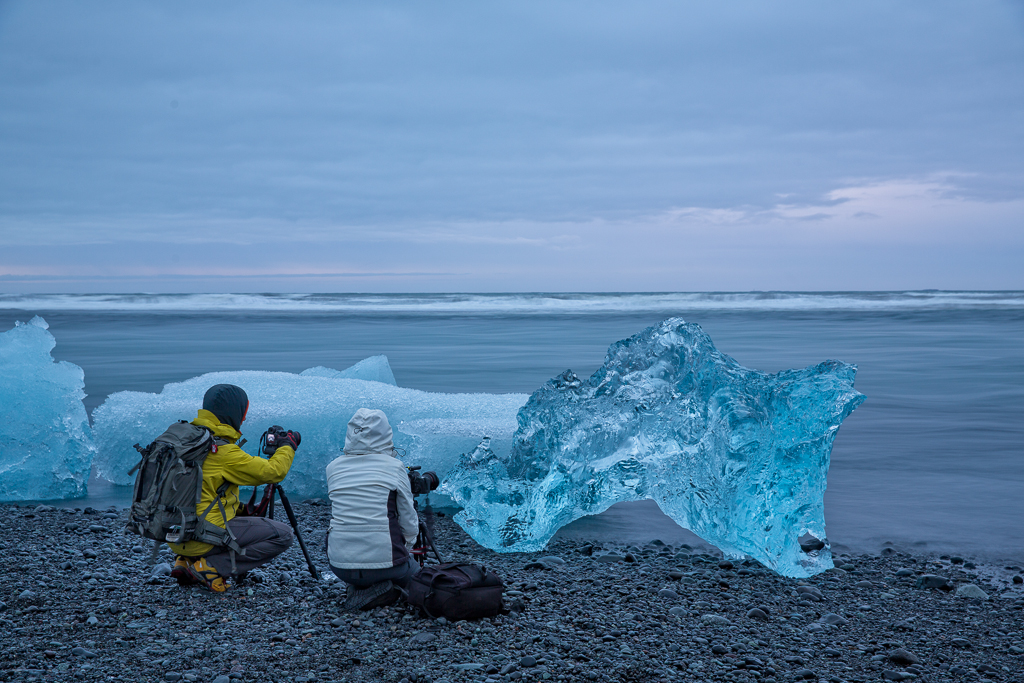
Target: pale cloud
x: 654, y: 145
x: 927, y: 211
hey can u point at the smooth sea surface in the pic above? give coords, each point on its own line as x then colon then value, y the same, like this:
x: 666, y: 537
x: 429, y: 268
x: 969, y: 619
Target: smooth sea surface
x: 933, y: 461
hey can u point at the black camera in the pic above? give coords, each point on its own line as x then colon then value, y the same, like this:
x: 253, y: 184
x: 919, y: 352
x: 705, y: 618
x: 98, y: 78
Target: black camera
x: 422, y: 483
x: 275, y: 437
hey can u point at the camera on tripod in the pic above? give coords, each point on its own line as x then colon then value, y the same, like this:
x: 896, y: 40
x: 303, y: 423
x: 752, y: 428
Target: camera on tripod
x: 422, y: 483
x: 277, y: 436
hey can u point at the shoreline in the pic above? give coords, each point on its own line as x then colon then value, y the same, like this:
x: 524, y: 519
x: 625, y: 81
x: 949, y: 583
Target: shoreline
x: 82, y: 603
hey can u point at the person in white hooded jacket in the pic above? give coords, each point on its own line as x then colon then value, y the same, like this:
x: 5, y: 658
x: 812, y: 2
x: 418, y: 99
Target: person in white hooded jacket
x: 373, y: 522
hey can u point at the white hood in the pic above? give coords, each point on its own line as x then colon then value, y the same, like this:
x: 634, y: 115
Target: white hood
x: 368, y: 432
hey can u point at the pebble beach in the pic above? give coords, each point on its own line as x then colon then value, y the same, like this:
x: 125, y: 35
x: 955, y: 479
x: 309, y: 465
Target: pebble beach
x: 81, y: 600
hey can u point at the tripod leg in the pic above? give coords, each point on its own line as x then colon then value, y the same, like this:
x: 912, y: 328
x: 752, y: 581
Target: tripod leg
x: 295, y: 527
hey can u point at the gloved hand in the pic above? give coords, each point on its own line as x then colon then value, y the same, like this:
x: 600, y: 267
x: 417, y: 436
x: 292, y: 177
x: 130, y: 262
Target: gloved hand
x: 292, y: 439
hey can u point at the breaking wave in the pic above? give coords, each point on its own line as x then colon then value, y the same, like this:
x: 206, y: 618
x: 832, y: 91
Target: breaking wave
x: 523, y: 304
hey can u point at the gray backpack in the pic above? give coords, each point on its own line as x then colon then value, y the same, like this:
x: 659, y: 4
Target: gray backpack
x: 169, y: 485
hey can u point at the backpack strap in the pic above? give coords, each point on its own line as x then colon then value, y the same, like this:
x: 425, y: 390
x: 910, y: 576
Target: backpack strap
x: 210, y: 532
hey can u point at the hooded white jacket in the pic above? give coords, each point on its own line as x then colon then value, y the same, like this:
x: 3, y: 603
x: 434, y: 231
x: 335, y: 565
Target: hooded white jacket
x: 373, y: 522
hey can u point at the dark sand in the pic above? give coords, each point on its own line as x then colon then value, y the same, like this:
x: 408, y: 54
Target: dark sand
x: 79, y: 603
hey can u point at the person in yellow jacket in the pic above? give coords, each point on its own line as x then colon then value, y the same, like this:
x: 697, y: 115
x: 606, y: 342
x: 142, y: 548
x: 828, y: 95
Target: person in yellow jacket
x: 261, y: 540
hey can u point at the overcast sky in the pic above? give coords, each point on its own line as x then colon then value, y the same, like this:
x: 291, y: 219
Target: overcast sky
x: 511, y: 146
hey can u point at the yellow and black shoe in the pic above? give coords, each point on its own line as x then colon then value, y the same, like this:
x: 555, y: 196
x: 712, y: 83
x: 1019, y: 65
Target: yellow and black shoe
x: 206, y: 576
x: 180, y: 571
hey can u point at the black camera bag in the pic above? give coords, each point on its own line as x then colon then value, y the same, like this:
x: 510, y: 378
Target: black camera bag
x: 456, y: 590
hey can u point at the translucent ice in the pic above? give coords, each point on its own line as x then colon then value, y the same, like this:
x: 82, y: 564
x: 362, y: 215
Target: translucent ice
x: 737, y: 456
x: 432, y: 428
x: 372, y: 369
x: 45, y: 445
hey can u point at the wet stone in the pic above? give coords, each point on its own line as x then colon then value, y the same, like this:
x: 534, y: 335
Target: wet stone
x: 902, y: 657
x: 971, y: 591
x: 929, y: 581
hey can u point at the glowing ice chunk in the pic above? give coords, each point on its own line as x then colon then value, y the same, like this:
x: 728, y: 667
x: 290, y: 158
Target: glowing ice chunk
x: 46, y: 449
x: 737, y: 456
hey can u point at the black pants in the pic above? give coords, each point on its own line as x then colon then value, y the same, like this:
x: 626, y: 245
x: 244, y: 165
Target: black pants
x: 262, y: 540
x: 364, y: 578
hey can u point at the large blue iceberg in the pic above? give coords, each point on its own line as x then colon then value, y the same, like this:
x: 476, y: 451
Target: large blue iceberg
x: 737, y: 456
x: 432, y: 428
x: 47, y: 447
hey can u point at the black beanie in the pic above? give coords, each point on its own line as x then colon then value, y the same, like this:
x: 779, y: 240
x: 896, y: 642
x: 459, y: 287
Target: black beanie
x: 228, y: 402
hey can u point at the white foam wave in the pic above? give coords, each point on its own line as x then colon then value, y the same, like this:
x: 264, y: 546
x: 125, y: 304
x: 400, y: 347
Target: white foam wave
x: 524, y: 304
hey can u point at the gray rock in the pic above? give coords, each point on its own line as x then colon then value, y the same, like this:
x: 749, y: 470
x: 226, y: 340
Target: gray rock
x: 960, y: 642
x: 834, y: 620
x: 810, y: 592
x: 969, y: 590
x: 611, y: 558
x: 927, y: 581
x: 90, y: 554
x: 82, y: 652
x: 223, y: 678
x: 903, y: 657
x: 675, y: 576
x: 668, y: 594
x: 172, y: 676
x: 805, y: 673
x: 905, y: 572
x: 27, y: 597
x: 468, y: 666
x: 528, y: 661
x: 715, y: 620
x: 161, y: 569
x: 757, y: 613
x: 809, y: 543
x: 423, y: 637
x: 678, y: 611
x: 552, y: 561
x: 864, y: 584
x: 92, y: 621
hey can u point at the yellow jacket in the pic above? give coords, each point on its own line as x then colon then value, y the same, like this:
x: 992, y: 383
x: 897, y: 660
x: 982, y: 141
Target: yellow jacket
x: 233, y: 465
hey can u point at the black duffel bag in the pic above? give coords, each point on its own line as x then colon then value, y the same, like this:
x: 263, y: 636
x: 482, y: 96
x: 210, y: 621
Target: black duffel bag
x: 456, y: 590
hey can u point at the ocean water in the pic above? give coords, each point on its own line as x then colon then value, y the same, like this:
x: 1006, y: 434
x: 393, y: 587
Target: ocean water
x: 933, y: 461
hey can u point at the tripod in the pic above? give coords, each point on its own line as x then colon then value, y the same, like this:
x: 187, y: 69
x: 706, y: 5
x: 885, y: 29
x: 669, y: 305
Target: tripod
x: 266, y: 509
x: 425, y: 537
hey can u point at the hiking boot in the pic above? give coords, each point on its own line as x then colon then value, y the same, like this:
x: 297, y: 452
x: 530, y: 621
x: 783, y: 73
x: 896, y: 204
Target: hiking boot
x: 180, y: 571
x: 378, y: 595
x: 206, y: 576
